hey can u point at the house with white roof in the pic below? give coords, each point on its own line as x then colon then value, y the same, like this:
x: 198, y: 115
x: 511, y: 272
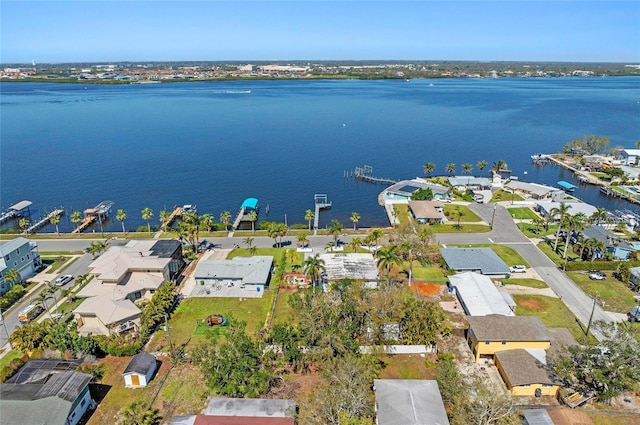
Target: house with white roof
x: 630, y: 156
x: 545, y: 207
x: 123, y: 276
x: 479, y: 296
x: 409, y: 402
x: 240, y: 276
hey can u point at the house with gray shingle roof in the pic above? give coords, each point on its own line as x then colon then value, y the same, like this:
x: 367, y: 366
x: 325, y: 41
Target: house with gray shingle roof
x: 409, y: 402
x: 251, y: 274
x: 524, y: 374
x: 479, y: 260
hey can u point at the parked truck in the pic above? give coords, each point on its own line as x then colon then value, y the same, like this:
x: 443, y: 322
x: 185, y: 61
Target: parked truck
x: 634, y: 314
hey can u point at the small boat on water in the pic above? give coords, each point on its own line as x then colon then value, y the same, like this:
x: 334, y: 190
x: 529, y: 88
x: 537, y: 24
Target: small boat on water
x: 540, y: 157
x: 566, y: 186
x: 583, y: 179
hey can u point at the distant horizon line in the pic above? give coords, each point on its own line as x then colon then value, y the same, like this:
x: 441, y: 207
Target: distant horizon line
x: 248, y: 61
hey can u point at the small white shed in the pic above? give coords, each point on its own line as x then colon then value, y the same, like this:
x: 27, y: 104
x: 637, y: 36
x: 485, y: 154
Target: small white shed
x: 139, y: 371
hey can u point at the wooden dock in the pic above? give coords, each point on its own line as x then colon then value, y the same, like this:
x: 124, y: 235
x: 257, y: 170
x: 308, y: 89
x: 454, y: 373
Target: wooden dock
x: 88, y: 221
x: 91, y: 215
x: 45, y: 220
x: 177, y: 212
x: 321, y: 202
x: 365, y: 174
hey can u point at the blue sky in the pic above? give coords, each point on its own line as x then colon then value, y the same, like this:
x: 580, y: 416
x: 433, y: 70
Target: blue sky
x: 109, y: 31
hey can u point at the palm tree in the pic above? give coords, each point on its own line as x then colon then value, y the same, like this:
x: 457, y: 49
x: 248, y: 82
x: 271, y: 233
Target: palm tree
x: 599, y: 216
x: 253, y: 217
x: 277, y: 230
x: 451, y: 168
x: 164, y: 218
x: 23, y: 223
x: 481, y: 165
x: 253, y: 249
x: 560, y: 213
x: 314, y: 267
x: 225, y: 218
x: 12, y: 277
x: 44, y: 295
x: 335, y: 228
x: 498, y: 166
x: 309, y: 216
x: 55, y: 220
x: 355, y: 218
x: 457, y: 214
x: 467, y: 168
x: 192, y: 221
x: 303, y: 240
x: 574, y: 224
x: 387, y: 257
x: 355, y: 244
x: 248, y: 241
x: 138, y: 413
x: 377, y: 235
x: 596, y: 245
x: 429, y: 167
x: 291, y: 255
x: 96, y: 247
x: 147, y: 213
x: 206, y: 220
x: 76, y: 217
x: 121, y: 216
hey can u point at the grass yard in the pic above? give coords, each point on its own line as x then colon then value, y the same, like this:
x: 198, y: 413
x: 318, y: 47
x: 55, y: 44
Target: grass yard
x: 408, y: 366
x: 275, y: 252
x: 464, y: 228
x: 401, y: 212
x: 67, y: 307
x: 523, y: 213
x: 183, y: 321
x: 616, y: 296
x: 283, y: 313
x: 9, y: 357
x: 552, y: 312
x: 467, y: 215
x: 55, y: 262
x: 530, y: 283
x: 503, y: 195
x: 427, y: 273
x: 603, y: 417
x: 532, y: 231
x: 547, y: 249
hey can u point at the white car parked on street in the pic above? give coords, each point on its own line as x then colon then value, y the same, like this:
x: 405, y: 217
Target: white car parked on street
x: 517, y: 269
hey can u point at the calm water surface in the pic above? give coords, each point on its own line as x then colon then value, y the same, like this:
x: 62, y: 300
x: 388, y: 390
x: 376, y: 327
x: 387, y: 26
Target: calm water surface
x: 216, y: 143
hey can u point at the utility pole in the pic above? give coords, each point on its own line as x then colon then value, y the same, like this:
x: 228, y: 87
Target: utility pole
x: 593, y: 309
x: 6, y: 330
x: 493, y: 217
x: 166, y: 328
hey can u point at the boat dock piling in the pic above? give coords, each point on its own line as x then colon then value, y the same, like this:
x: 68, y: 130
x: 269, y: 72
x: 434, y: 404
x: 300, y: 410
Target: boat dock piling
x: 45, y: 220
x: 177, y: 212
x: 15, y: 211
x: 99, y: 212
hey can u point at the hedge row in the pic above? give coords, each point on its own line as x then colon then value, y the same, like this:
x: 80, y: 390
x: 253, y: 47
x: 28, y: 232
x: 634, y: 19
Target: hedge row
x: 12, y: 296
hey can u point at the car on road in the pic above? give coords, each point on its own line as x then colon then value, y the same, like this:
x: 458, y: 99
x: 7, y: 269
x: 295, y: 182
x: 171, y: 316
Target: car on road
x: 597, y: 275
x: 518, y: 268
x: 63, y: 280
x: 30, y: 312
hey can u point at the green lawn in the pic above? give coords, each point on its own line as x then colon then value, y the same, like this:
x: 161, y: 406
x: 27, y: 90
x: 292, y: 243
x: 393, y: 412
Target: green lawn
x: 467, y: 215
x: 552, y: 312
x: 427, y: 273
x: 183, y: 321
x: 531, y: 283
x: 615, y: 294
x: 547, y: 249
x: 464, y: 228
x: 503, y: 195
x: 530, y: 230
x: 523, y: 213
x: 283, y: 313
x: 57, y: 262
x: 401, y: 212
x: 11, y: 355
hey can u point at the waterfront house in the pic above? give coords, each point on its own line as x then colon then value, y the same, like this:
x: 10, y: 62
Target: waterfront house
x: 409, y: 402
x: 575, y: 207
x: 523, y: 374
x: 534, y: 190
x: 480, y: 260
x: 620, y: 250
x: 240, y: 276
x: 242, y: 411
x: 45, y: 391
x: 479, y: 296
x: 463, y: 183
x: 140, y: 370
x: 427, y: 212
x: 405, y: 188
x: 629, y: 156
x: 122, y: 277
x: 18, y: 254
x: 489, y: 334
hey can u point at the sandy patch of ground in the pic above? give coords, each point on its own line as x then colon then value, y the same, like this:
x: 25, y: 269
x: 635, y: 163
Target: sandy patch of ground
x: 517, y: 289
x: 426, y: 289
x: 532, y: 304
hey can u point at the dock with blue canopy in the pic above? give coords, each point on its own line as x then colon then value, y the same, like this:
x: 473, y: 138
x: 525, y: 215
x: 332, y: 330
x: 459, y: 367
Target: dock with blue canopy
x: 566, y: 186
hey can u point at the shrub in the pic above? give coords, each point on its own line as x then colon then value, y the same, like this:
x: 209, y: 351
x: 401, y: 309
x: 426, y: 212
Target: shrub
x: 11, y: 296
x: 9, y: 370
x: 300, y: 226
x: 597, y: 265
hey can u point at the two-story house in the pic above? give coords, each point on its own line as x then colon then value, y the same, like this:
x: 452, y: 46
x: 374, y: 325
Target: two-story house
x: 18, y: 254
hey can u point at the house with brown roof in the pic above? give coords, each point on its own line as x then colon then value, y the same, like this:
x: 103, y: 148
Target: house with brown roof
x: 242, y: 411
x: 427, y: 212
x: 122, y: 277
x: 489, y: 334
x: 523, y: 374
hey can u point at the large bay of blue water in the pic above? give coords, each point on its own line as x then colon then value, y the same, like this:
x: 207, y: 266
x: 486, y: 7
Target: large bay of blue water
x: 214, y: 144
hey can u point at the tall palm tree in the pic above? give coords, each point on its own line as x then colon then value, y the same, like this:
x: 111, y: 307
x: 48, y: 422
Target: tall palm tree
x: 164, y: 218
x: 309, y: 215
x: 291, y: 255
x: 206, y: 221
x: 303, y: 239
x: 560, y: 213
x: 429, y: 167
x: 138, y: 413
x: 335, y: 228
x: 377, y: 235
x: 355, y: 244
x: 457, y: 214
x: 451, y: 168
x: 498, y: 166
x: 192, y: 222
x: 253, y: 217
x: 225, y: 218
x: 314, y: 266
x: 55, y: 220
x: 387, y: 257
x: 355, y: 218
x: 599, y: 216
x: 147, y: 213
x: 575, y: 224
x: 121, y: 216
x: 481, y: 165
x: 467, y: 168
x: 76, y: 217
x: 43, y: 296
x: 596, y: 246
x: 248, y: 241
